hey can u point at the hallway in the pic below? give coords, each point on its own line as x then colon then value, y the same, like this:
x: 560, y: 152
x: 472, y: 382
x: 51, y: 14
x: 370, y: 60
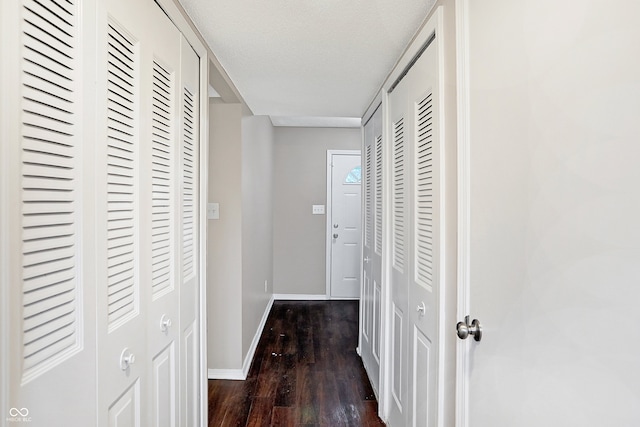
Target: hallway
x: 303, y: 373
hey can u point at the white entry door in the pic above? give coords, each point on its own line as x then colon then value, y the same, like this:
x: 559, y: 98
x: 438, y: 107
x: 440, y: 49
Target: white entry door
x: 553, y: 209
x: 417, y: 258
x: 344, y: 224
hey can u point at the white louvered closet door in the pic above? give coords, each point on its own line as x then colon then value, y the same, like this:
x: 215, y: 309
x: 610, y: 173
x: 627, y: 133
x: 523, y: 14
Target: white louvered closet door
x: 415, y: 248
x: 119, y: 240
x: 99, y: 219
x: 163, y: 228
x: 425, y: 259
x: 140, y: 250
x: 371, y: 289
x: 366, y: 298
x: 189, y: 202
x: 399, y: 245
x: 46, y: 151
x: 376, y: 270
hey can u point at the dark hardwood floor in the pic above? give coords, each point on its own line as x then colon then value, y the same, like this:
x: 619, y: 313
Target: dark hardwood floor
x: 305, y: 372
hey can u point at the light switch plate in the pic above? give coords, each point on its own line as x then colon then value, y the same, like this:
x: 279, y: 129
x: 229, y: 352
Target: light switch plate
x: 317, y: 209
x: 213, y: 210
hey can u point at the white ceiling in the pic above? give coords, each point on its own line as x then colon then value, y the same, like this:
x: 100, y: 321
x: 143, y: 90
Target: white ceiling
x: 308, y: 60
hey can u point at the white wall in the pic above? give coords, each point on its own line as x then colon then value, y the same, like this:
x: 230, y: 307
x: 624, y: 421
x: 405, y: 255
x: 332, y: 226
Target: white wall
x: 257, y: 236
x: 300, y: 181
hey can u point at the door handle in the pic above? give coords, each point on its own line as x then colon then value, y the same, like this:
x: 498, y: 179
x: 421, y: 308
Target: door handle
x: 367, y: 259
x: 421, y: 309
x: 335, y: 225
x: 165, y: 323
x: 465, y: 329
x: 335, y: 235
x: 126, y: 359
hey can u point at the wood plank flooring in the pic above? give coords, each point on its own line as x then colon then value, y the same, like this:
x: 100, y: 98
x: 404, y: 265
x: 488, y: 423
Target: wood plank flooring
x: 305, y: 372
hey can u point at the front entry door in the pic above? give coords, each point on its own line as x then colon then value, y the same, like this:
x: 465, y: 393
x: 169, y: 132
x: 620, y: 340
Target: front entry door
x: 345, y: 225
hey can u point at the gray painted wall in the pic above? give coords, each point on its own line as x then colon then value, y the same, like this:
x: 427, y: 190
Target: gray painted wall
x: 240, y: 243
x: 257, y: 236
x: 299, y: 181
x: 224, y: 238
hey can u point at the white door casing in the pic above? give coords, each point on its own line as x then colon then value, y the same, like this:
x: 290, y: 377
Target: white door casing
x: 344, y: 223
x: 551, y: 239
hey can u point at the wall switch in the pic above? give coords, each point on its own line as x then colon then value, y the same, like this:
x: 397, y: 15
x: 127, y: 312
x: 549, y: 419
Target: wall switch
x: 213, y: 210
x: 317, y: 209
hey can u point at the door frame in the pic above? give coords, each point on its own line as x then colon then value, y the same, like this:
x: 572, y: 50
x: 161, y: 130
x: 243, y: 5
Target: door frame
x: 463, y: 178
x: 328, y: 245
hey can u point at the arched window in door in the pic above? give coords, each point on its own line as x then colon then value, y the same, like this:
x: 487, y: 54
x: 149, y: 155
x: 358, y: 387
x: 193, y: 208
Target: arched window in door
x: 354, y: 176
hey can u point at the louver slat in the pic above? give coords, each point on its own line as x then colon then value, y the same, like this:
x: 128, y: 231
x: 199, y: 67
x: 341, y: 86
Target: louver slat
x: 49, y: 185
x: 161, y: 176
x: 122, y: 289
x: 188, y: 217
x: 378, y: 198
x: 398, y: 195
x: 368, y: 198
x: 424, y: 193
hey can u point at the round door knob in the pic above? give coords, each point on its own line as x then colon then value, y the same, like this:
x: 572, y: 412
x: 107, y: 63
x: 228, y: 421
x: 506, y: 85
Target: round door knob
x: 165, y: 323
x: 464, y: 329
x: 126, y: 359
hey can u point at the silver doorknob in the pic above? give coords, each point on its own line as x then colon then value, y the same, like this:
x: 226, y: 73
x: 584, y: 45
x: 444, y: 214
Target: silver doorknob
x: 335, y: 235
x: 421, y: 309
x: 126, y: 359
x: 465, y: 329
x: 367, y: 259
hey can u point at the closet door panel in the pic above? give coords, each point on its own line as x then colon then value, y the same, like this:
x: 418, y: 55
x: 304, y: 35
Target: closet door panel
x: 45, y: 154
x: 189, y: 208
x: 122, y: 371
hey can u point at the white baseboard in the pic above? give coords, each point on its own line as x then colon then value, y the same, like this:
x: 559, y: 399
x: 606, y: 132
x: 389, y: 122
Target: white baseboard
x: 241, y: 374
x: 300, y: 297
x: 225, y: 374
x: 256, y: 338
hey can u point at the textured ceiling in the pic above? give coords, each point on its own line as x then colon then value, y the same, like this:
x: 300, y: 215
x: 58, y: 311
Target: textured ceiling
x: 308, y: 58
